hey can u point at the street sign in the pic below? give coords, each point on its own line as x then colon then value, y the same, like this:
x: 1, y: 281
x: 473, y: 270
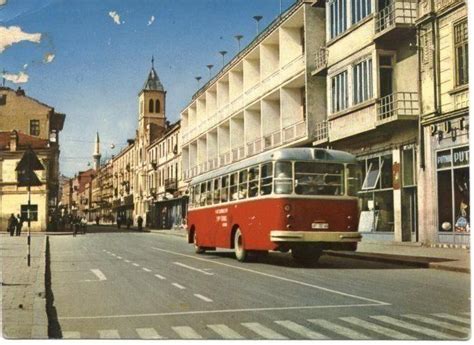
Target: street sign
x: 26, y: 169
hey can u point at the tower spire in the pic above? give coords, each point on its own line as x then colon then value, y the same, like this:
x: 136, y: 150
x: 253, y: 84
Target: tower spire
x: 152, y: 61
x: 97, y: 154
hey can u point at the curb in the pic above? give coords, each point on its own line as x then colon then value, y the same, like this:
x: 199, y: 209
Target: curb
x: 399, y: 261
x: 40, y: 318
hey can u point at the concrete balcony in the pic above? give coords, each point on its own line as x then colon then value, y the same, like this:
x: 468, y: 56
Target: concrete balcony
x: 395, y: 19
x: 398, y: 106
x: 271, y: 82
x: 321, y: 62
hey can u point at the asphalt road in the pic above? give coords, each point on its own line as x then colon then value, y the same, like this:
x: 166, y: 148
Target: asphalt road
x: 147, y: 285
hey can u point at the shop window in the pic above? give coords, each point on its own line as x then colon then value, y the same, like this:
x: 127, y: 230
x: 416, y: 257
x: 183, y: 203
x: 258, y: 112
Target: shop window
x: 373, y: 174
x: 445, y: 206
x: 386, y: 177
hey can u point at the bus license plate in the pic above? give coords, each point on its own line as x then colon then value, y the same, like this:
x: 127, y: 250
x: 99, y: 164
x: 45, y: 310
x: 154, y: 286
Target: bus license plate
x: 320, y: 226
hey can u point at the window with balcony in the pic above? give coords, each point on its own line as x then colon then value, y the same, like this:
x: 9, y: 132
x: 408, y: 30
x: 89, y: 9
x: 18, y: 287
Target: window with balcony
x: 461, y: 52
x: 339, y: 92
x: 362, y: 79
x: 360, y: 9
x: 337, y: 10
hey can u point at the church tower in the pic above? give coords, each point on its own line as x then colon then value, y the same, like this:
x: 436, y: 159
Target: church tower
x: 151, y: 112
x: 97, y: 154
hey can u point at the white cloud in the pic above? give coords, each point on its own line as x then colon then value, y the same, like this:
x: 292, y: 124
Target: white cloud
x: 19, y: 78
x: 116, y: 17
x: 14, y: 34
x: 152, y: 19
x: 49, y: 57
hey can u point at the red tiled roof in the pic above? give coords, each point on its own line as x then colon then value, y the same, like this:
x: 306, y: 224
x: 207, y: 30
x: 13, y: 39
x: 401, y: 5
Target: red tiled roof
x: 24, y: 140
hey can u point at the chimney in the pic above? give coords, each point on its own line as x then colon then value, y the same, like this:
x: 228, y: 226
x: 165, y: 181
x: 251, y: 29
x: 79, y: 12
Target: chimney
x: 20, y: 91
x: 13, y: 141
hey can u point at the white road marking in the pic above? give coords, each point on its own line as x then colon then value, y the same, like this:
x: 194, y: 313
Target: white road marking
x: 225, y: 332
x: 126, y: 260
x: 71, y: 335
x: 263, y: 331
x: 454, y: 318
x: 148, y: 333
x: 186, y: 332
x: 99, y: 274
x: 109, y: 334
x: 275, y: 277
x: 419, y: 329
x: 222, y: 311
x: 146, y: 269
x: 344, y: 331
x: 160, y: 277
x: 178, y: 286
x: 119, y: 257
x: 194, y: 269
x: 442, y: 324
x: 301, y: 330
x: 204, y: 298
x: 135, y: 264
x: 378, y: 329
x: 113, y: 254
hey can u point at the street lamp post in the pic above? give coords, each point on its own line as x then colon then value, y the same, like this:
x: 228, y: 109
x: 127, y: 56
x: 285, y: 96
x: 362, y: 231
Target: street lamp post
x: 239, y: 38
x: 257, y: 20
x: 223, y: 52
x: 198, y: 79
x: 209, y: 67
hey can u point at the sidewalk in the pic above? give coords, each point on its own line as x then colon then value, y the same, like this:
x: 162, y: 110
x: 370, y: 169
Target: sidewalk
x: 409, y: 254
x: 23, y: 288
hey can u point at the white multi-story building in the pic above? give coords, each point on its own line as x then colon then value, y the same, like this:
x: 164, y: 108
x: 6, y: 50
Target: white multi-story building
x: 259, y: 100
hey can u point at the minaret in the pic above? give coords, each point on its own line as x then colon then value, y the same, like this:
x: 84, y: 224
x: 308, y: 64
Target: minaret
x: 96, y: 154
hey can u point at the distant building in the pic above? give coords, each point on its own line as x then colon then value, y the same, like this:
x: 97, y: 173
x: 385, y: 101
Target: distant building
x: 25, y: 121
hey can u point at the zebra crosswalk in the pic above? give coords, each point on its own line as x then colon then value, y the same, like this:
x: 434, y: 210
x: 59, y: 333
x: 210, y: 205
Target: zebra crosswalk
x: 402, y: 327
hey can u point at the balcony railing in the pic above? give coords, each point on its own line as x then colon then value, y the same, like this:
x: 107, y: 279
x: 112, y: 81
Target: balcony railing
x: 397, y: 12
x: 321, y: 133
x: 272, y: 140
x: 398, y: 105
x: 321, y: 60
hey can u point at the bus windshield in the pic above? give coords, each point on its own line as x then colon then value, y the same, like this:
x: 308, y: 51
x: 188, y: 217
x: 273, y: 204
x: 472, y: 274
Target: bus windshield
x: 319, y: 179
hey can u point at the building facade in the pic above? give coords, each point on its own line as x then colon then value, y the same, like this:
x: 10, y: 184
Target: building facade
x: 166, y: 189
x: 25, y: 121
x: 368, y: 61
x: 264, y: 98
x: 444, y: 137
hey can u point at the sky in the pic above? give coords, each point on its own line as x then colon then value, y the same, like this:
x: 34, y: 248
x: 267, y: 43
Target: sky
x: 90, y: 58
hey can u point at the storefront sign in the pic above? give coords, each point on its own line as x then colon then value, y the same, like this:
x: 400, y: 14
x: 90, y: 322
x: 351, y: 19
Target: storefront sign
x: 458, y: 157
x: 461, y: 156
x: 444, y: 159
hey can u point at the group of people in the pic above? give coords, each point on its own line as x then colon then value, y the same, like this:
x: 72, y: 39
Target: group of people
x: 15, y: 224
x: 122, y: 220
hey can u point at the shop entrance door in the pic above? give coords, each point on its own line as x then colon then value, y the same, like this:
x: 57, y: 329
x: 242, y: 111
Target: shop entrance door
x: 409, y: 215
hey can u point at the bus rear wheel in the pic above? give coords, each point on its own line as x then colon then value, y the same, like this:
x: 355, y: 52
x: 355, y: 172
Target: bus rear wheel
x: 197, y: 249
x: 241, y: 254
x: 306, y: 254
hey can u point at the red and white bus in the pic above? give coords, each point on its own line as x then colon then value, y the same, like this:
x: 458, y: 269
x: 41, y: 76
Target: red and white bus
x: 298, y: 199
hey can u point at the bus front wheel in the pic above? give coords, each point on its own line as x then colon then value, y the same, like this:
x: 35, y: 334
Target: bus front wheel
x: 241, y: 253
x: 306, y: 254
x: 197, y: 249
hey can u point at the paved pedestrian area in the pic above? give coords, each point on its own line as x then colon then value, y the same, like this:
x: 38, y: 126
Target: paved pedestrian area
x: 20, y: 285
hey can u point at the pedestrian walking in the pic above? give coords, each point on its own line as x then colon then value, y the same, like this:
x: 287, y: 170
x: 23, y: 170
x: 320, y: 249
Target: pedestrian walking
x: 19, y: 224
x: 140, y: 223
x: 12, y: 221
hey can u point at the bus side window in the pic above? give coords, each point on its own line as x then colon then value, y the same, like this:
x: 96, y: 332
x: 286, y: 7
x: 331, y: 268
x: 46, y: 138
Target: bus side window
x: 283, y: 178
x: 254, y: 175
x: 202, y: 197
x: 243, y: 178
x: 266, y: 179
x: 217, y: 191
x: 209, y: 193
x: 233, y: 186
x: 225, y: 189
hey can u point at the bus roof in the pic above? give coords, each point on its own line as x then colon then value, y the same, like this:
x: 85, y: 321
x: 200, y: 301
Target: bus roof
x: 298, y: 154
